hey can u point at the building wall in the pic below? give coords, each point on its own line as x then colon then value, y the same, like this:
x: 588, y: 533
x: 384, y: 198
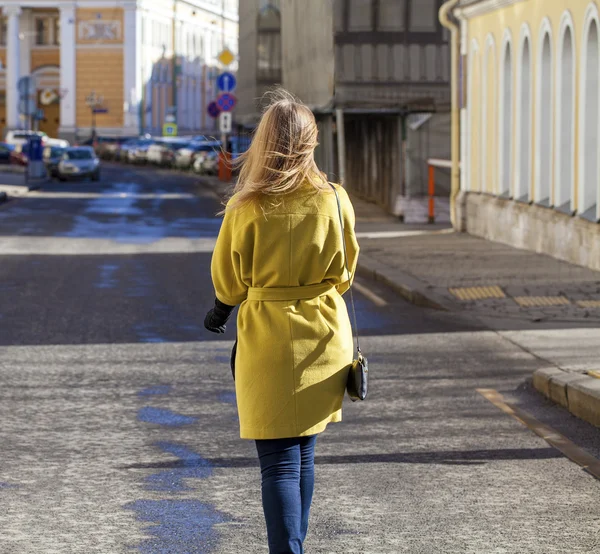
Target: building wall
x: 247, y: 83
x: 308, y: 50
x: 99, y: 63
x: 534, y: 123
x: 488, y: 33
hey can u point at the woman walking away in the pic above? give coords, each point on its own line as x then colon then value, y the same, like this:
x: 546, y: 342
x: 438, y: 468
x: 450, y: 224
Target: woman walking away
x: 280, y: 256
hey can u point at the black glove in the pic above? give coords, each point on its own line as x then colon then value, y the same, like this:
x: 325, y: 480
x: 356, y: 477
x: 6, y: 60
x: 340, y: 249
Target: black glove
x: 216, y: 318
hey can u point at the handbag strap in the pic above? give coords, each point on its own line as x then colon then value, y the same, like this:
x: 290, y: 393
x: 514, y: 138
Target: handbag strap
x: 339, y: 205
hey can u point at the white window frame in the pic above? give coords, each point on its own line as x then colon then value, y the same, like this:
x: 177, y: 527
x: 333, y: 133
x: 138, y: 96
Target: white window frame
x: 507, y: 44
x: 473, y: 57
x: 566, y: 23
x: 544, y: 31
x: 591, y: 16
x: 523, y: 190
x: 489, y: 50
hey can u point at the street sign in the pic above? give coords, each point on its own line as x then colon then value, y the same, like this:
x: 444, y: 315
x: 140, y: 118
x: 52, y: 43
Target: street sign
x: 170, y: 130
x: 27, y: 106
x: 225, y: 122
x: 226, y: 81
x: 26, y: 86
x: 226, y: 102
x: 226, y: 57
x: 213, y: 109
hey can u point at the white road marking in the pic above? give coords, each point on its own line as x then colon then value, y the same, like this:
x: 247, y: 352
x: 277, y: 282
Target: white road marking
x: 134, y: 195
x: 400, y: 234
x: 376, y: 299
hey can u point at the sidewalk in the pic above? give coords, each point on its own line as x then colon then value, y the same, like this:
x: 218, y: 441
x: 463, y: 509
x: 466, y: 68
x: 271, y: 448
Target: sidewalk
x: 549, y: 308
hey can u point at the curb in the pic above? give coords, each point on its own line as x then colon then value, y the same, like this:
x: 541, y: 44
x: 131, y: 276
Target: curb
x: 577, y: 392
x: 409, y: 288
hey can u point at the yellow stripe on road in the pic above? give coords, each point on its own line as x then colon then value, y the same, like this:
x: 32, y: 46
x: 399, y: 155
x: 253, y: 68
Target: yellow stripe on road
x: 588, y: 303
x: 531, y: 301
x: 477, y: 293
x: 552, y: 437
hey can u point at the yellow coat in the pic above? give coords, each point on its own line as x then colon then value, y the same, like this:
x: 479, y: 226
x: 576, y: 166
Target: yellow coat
x: 286, y: 269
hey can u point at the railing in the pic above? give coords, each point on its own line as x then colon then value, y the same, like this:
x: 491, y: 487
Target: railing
x: 433, y: 163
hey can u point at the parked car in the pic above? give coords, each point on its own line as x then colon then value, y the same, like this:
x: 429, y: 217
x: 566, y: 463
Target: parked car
x: 52, y: 156
x: 207, y: 163
x: 5, y: 152
x: 162, y: 152
x: 59, y: 143
x: 21, y: 137
x: 79, y: 162
x: 138, y: 152
x: 19, y: 154
x: 186, y: 157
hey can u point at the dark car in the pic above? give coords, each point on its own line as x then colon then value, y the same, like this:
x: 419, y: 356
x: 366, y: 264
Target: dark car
x: 5, y: 152
x: 18, y: 155
x: 52, y: 156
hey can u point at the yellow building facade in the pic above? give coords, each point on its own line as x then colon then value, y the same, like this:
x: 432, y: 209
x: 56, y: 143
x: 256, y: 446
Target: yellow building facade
x: 108, y: 64
x: 530, y: 124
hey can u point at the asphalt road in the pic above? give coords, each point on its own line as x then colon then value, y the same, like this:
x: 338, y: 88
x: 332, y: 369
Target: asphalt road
x: 118, y: 421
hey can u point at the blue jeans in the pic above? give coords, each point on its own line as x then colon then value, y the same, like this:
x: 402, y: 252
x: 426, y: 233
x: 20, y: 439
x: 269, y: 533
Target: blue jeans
x: 288, y: 479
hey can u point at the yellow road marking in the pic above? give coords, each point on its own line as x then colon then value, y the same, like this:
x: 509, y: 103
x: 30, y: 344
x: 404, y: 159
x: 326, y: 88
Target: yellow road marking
x: 477, y: 293
x: 590, y: 464
x: 589, y: 303
x: 529, y: 301
x: 376, y: 299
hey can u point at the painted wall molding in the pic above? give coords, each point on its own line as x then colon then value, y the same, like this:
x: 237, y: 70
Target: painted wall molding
x: 484, y: 6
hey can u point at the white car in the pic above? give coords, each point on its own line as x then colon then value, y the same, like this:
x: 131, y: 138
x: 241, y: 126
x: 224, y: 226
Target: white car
x: 22, y: 137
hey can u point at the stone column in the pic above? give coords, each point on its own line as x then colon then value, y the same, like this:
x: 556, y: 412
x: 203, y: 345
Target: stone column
x: 68, y: 83
x: 13, y: 66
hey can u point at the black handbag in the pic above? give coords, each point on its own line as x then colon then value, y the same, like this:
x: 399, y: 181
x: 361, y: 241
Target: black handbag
x: 358, y: 373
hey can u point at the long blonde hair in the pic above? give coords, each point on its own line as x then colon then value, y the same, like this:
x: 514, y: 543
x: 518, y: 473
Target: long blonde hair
x: 281, y: 156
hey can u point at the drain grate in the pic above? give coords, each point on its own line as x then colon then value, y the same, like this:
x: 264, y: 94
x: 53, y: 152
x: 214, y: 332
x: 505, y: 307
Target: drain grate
x: 534, y: 301
x: 477, y: 293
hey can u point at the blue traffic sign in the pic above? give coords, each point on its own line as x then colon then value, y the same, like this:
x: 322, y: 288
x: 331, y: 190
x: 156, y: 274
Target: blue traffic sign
x: 226, y: 102
x: 226, y: 81
x: 213, y: 109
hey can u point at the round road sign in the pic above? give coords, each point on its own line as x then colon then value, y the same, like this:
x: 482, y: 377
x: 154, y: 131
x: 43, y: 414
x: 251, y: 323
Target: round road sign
x: 213, y: 109
x: 226, y: 102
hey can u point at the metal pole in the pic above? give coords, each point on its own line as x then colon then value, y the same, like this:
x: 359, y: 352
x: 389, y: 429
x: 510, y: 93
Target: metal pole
x: 175, y: 103
x: 444, y: 17
x: 341, y: 144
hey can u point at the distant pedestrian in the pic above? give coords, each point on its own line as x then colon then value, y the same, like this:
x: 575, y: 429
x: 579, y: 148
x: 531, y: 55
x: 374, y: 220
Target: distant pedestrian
x: 280, y: 257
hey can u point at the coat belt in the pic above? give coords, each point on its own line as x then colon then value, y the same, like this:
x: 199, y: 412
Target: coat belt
x: 282, y: 294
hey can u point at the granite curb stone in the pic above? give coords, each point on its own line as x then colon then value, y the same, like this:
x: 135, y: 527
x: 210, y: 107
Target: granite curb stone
x: 577, y: 392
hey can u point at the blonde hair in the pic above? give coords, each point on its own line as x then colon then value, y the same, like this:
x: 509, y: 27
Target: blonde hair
x: 281, y: 156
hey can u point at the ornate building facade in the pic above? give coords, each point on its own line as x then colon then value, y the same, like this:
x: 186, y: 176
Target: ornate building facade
x: 120, y: 65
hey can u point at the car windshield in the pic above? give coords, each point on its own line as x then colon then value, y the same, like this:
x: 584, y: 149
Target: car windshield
x: 79, y: 155
x: 55, y: 152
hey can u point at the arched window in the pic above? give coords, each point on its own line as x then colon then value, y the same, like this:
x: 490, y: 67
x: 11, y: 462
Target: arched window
x: 488, y: 115
x: 474, y: 179
x: 589, y: 138
x: 505, y: 115
x: 543, y: 128
x: 565, y: 117
x: 269, y: 45
x: 524, y: 108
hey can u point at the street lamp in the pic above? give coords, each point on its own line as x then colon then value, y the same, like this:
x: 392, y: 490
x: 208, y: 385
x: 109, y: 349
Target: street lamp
x: 94, y: 101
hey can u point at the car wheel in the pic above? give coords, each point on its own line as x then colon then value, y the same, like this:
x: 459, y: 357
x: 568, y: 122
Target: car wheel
x: 96, y: 176
x: 61, y: 178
